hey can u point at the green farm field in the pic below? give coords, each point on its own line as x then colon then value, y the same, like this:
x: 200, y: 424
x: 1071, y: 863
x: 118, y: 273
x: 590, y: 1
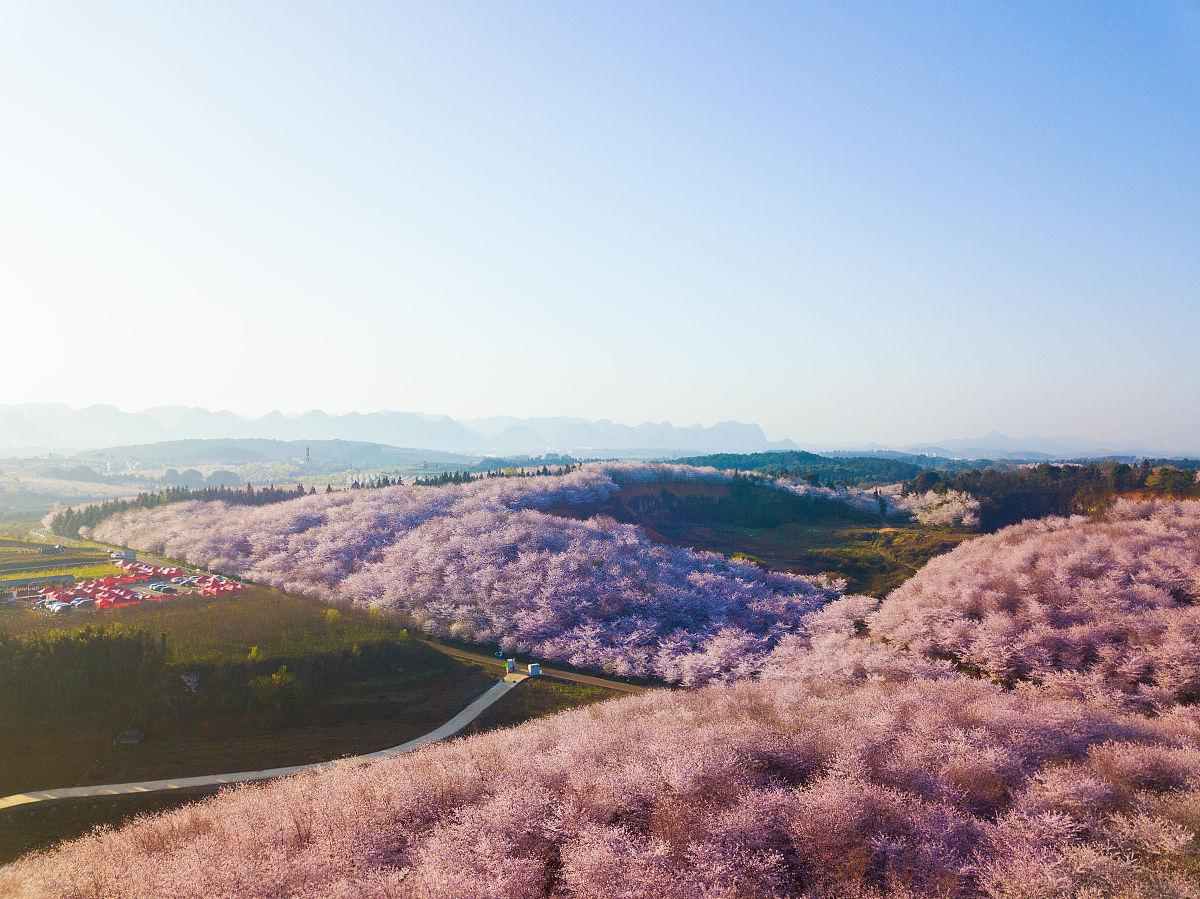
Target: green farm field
x: 216, y: 630
x: 28, y: 558
x: 354, y: 682
x: 21, y: 559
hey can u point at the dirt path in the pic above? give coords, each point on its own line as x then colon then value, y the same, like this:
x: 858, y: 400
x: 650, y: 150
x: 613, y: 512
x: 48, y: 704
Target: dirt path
x: 448, y: 729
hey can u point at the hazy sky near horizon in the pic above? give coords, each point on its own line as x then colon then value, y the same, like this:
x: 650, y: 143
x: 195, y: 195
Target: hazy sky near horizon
x: 844, y: 221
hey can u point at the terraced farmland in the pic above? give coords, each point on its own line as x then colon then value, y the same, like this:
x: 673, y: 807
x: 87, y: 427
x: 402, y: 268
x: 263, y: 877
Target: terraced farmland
x: 26, y: 558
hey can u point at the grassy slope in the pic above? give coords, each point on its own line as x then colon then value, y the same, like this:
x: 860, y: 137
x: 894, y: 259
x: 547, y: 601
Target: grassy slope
x: 428, y: 688
x: 423, y: 691
x: 20, y: 559
x: 81, y: 572
x: 535, y: 698
x: 15, y: 525
x: 819, y: 537
x: 873, y: 560
x: 356, y: 718
x: 223, y: 629
x: 29, y: 828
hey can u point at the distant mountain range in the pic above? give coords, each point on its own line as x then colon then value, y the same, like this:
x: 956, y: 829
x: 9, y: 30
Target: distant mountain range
x: 41, y: 427
x: 246, y: 450
x: 37, y: 428
x: 997, y: 446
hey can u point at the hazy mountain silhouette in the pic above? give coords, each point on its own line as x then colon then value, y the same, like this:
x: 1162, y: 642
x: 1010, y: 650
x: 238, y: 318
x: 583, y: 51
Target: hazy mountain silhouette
x: 29, y: 428
x: 995, y: 445
x: 53, y: 426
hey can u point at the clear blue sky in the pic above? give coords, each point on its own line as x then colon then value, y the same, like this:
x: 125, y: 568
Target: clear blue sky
x: 844, y: 221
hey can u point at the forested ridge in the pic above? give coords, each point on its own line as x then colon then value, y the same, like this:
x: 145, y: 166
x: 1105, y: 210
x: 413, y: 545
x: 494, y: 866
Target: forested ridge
x: 1007, y: 495
x: 1007, y: 492
x: 818, y: 470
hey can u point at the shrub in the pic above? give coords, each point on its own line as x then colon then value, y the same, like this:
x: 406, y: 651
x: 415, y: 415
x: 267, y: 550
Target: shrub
x: 279, y: 691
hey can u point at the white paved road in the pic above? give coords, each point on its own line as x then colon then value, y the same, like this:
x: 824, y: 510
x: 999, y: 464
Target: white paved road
x: 448, y: 729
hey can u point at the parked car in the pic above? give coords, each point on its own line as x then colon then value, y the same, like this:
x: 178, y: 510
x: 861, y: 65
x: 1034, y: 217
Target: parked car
x: 164, y: 588
x: 83, y: 602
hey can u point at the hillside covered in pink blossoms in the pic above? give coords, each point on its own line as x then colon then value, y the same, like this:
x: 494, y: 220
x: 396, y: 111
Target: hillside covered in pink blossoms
x: 482, y: 562
x: 853, y: 769
x: 1081, y: 608
x: 1018, y: 720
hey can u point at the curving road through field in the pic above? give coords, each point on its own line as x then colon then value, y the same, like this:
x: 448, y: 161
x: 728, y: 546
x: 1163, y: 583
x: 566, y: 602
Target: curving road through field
x: 448, y: 729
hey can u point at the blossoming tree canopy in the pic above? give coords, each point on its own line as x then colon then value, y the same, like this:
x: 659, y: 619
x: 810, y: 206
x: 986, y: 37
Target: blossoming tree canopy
x: 951, y: 507
x: 1101, y: 609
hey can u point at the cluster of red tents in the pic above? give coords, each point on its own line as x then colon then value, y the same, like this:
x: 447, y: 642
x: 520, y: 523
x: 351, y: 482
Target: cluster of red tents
x: 145, y: 568
x: 107, y: 592
x: 203, y: 584
x: 207, y: 585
